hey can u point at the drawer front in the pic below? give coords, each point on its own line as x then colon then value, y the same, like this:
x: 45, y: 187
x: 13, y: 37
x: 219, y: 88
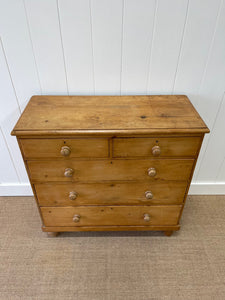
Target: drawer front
x: 166, y: 169
x: 156, y: 147
x: 111, y: 215
x: 65, y: 148
x: 76, y: 194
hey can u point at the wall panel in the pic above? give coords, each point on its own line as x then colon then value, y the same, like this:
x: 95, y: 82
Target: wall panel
x: 15, y: 36
x: 9, y: 114
x: 214, y: 155
x: 195, y: 50
x: 136, y: 46
x: 195, y: 47
x: 107, y: 20
x: 45, y: 32
x: 168, y: 32
x: 113, y: 47
x: 75, y: 20
x: 7, y: 170
x: 211, y: 93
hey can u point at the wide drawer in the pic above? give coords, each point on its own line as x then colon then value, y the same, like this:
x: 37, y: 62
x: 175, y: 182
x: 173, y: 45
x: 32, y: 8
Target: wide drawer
x: 163, y: 147
x: 76, y: 194
x: 54, y: 148
x: 58, y: 170
x: 111, y: 215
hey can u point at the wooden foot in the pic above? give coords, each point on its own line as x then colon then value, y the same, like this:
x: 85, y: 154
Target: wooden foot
x: 168, y: 233
x: 52, y: 234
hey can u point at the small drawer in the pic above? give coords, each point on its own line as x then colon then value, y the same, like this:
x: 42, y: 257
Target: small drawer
x: 65, y: 148
x: 78, y: 194
x: 108, y: 170
x: 111, y: 215
x: 156, y: 147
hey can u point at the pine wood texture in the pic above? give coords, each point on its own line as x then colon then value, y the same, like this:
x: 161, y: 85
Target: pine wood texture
x: 111, y: 215
x: 169, y: 147
x: 114, y: 193
x: 111, y: 170
x: 100, y: 163
x: 168, y: 233
x: 111, y: 228
x: 52, y: 115
x: 51, y: 148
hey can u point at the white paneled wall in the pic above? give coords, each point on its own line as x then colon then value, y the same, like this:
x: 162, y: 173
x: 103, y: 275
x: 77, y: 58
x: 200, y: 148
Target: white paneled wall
x: 170, y: 20
x: 136, y: 45
x: 113, y: 47
x: 77, y: 45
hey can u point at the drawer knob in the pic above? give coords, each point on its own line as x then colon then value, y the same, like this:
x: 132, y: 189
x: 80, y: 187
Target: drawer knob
x: 151, y: 172
x: 146, y: 217
x: 148, y: 195
x: 76, y: 218
x: 73, y: 195
x: 156, y: 151
x: 68, y: 172
x: 65, y: 151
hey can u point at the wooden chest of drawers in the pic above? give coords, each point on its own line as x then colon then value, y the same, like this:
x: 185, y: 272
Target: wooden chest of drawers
x: 110, y: 162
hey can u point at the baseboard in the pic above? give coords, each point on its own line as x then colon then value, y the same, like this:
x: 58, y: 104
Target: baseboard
x: 15, y: 189
x: 207, y: 188
x: 196, y: 188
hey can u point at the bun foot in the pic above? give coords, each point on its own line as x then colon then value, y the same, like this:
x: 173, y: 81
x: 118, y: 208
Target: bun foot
x: 168, y: 233
x: 52, y: 234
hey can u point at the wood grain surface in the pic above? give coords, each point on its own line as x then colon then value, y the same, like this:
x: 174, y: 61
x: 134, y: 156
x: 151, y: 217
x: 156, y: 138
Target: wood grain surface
x: 44, y: 148
x: 169, y: 146
x: 164, y: 192
x: 51, y: 114
x: 102, y: 170
x: 111, y: 215
x: 111, y: 228
x: 110, y: 162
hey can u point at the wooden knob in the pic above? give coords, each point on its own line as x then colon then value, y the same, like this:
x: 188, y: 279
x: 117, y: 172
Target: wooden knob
x: 65, y: 151
x: 68, y: 172
x: 156, y: 151
x: 72, y: 195
x: 151, y: 172
x: 146, y: 217
x: 148, y: 195
x: 76, y: 218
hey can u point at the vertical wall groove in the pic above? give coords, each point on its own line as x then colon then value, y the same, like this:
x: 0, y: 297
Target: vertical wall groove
x: 210, y: 48
x: 32, y: 46
x: 201, y: 89
x: 208, y: 141
x: 181, y: 47
x: 121, y: 59
x: 60, y: 32
x: 223, y: 161
x: 92, y: 46
x: 14, y: 90
x: 150, y: 54
x: 11, y: 158
x: 212, y: 131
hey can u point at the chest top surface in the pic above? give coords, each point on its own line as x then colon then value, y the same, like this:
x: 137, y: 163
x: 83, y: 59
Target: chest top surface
x: 81, y: 115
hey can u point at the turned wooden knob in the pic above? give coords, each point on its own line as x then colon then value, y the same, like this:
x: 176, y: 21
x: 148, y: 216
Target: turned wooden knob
x: 146, y: 217
x: 73, y: 195
x: 68, y: 172
x: 148, y: 195
x: 156, y: 151
x: 65, y: 151
x: 151, y: 172
x: 76, y: 218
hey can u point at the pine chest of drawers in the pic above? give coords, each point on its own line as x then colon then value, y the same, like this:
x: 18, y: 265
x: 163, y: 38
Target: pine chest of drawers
x: 110, y: 162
